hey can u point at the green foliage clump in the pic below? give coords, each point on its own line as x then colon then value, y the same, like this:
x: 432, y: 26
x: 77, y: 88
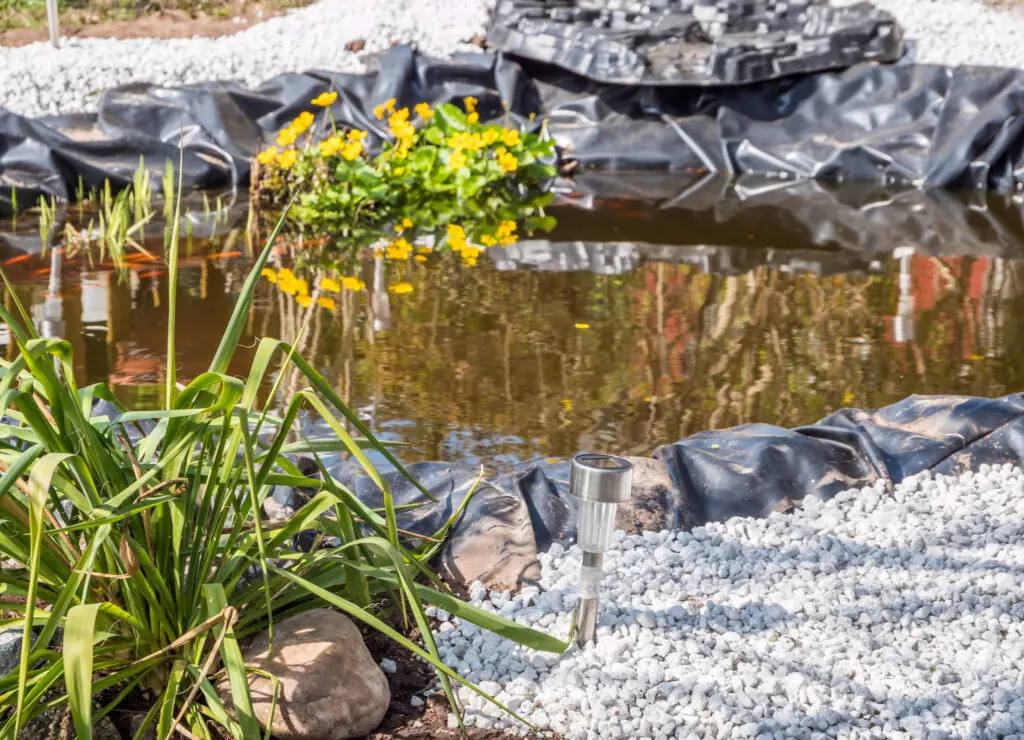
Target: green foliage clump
x: 468, y: 183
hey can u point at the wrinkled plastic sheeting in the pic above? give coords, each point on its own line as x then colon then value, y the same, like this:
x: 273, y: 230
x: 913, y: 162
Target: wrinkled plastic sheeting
x: 694, y: 42
x: 908, y: 124
x: 747, y: 471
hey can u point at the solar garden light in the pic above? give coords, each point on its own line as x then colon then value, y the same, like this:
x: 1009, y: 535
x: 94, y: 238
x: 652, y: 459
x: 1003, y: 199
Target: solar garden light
x: 601, y: 483
x: 52, y: 21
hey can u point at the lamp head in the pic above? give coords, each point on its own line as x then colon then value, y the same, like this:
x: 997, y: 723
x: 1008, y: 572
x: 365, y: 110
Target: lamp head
x: 603, y: 479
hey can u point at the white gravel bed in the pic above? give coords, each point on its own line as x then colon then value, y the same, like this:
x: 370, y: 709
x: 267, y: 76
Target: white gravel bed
x: 38, y: 79
x: 957, y: 32
x: 870, y: 616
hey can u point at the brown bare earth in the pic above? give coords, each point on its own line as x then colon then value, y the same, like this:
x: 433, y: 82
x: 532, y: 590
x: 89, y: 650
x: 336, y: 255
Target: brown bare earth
x: 165, y: 24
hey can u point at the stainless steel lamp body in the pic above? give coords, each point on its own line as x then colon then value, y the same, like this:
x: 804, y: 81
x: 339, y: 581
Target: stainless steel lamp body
x: 601, y: 483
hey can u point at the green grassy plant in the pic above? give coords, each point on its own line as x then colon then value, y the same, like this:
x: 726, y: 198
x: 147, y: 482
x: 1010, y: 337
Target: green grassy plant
x: 139, y: 538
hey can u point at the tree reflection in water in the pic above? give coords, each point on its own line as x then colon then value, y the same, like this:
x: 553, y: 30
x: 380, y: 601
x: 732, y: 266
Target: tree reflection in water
x: 490, y: 365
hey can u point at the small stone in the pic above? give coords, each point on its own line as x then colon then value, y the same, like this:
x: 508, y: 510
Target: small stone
x: 329, y: 686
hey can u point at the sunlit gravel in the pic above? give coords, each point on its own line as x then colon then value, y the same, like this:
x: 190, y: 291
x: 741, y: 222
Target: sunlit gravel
x: 38, y: 79
x: 875, y: 615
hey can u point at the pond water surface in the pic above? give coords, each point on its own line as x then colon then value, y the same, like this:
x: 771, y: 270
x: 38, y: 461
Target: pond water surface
x: 610, y: 335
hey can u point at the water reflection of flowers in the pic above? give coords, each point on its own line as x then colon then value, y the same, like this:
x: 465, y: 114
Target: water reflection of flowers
x: 290, y: 284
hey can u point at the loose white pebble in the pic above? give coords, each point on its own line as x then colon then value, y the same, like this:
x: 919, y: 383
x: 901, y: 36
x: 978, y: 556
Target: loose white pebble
x: 873, y: 615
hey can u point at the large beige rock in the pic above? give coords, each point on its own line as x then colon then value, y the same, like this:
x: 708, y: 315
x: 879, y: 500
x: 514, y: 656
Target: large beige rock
x: 330, y: 687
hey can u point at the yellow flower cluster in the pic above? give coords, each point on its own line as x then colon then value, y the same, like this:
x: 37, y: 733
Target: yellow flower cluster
x: 506, y: 233
x: 403, y: 131
x: 401, y: 288
x: 289, y: 135
x: 325, y: 99
x: 388, y: 107
x: 462, y: 141
x: 423, y: 111
x: 350, y: 147
x: 506, y: 159
x: 293, y: 130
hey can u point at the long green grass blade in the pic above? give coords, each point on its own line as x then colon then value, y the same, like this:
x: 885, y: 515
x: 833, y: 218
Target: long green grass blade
x: 38, y: 486
x: 231, y: 654
x: 172, y: 285
x: 78, y: 656
x: 236, y: 324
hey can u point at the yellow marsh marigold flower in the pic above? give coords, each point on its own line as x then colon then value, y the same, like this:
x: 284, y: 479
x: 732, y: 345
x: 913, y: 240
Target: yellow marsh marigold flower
x: 511, y: 137
x: 304, y: 300
x: 401, y: 288
x: 302, y: 122
x: 489, y: 136
x: 470, y: 104
x: 327, y: 303
x: 352, y: 283
x: 352, y: 150
x: 473, y: 117
x: 331, y: 146
x: 330, y: 285
x: 420, y: 258
x: 406, y: 223
x: 454, y: 230
x: 355, y: 135
x: 488, y: 241
x: 286, y: 159
x: 325, y: 99
x: 269, y: 274
x: 582, y: 326
x: 399, y: 170
x: 267, y: 155
x: 287, y: 137
x: 505, y: 228
x: 424, y: 112
x: 457, y: 161
x: 508, y: 162
x: 388, y: 106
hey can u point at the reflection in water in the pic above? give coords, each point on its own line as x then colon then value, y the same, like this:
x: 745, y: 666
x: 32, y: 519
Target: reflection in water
x: 488, y: 363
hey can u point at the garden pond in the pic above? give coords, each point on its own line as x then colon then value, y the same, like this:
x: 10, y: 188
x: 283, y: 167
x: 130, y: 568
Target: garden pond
x: 634, y: 323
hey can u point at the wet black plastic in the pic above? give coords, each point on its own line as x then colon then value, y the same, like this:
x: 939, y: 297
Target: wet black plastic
x: 694, y: 42
x: 913, y: 125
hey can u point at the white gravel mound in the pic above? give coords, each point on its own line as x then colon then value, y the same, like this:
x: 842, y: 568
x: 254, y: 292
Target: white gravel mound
x: 870, y: 616
x: 38, y: 79
x: 957, y: 32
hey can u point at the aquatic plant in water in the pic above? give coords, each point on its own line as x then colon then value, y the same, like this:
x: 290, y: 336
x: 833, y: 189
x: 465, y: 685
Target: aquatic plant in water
x: 442, y: 174
x: 138, y: 535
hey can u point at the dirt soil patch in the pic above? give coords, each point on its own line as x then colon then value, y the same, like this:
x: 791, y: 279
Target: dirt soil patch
x: 163, y: 23
x: 406, y: 722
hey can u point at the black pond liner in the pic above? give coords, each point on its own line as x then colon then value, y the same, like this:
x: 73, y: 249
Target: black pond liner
x: 711, y: 476
x: 908, y: 124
